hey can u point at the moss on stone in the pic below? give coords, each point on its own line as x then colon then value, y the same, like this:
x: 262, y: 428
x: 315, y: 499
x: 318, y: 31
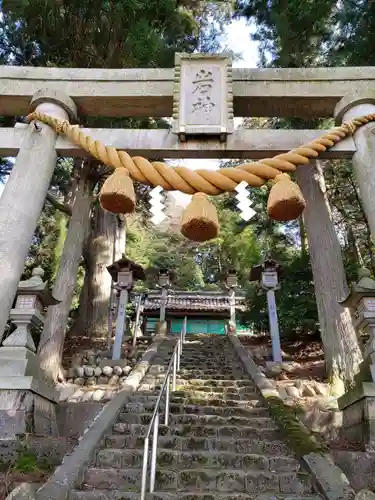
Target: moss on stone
x: 299, y: 437
x: 186, y: 430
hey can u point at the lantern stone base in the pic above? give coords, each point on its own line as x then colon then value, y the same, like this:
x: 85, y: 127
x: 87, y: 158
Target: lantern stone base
x: 358, y: 407
x: 27, y: 403
x: 24, y: 412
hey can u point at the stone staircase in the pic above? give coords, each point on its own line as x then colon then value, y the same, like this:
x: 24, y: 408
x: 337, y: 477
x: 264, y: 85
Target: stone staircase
x: 220, y: 442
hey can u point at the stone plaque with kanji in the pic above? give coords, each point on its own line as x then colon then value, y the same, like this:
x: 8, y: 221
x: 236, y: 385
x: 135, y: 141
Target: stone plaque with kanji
x: 203, y: 97
x: 370, y: 305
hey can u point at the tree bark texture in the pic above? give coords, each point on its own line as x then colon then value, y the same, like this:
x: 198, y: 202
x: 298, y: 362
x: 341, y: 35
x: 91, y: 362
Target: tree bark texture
x: 52, y: 339
x: 303, y: 237
x: 101, y: 254
x: 341, y: 348
x: 120, y: 241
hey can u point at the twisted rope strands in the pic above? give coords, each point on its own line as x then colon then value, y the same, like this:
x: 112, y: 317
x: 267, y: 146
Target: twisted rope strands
x: 210, y: 182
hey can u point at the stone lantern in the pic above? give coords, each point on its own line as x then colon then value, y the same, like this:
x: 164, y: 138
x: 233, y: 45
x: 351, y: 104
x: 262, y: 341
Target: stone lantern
x: 358, y: 403
x: 22, y: 386
x: 123, y: 272
x: 33, y: 296
x: 267, y: 274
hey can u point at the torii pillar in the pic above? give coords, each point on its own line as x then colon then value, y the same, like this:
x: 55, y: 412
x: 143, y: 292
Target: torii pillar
x: 23, y: 197
x: 354, y: 105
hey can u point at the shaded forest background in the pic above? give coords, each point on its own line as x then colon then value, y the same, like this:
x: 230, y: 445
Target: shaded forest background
x: 147, y: 33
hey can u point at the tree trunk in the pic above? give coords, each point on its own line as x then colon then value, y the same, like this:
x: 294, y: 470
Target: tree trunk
x: 78, y: 327
x: 341, y: 348
x: 353, y: 246
x: 303, y: 238
x: 52, y: 339
x: 120, y: 241
x: 101, y: 255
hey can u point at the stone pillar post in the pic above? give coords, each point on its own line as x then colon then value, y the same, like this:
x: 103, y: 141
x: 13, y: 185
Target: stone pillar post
x: 232, y: 302
x: 120, y: 324
x: 23, y: 197
x: 163, y: 303
x: 351, y: 106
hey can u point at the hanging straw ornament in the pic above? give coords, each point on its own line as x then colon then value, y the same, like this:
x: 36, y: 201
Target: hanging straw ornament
x: 285, y: 201
x: 199, y: 221
x: 117, y: 194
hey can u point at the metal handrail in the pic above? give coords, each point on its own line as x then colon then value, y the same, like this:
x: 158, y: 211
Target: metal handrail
x: 173, y: 368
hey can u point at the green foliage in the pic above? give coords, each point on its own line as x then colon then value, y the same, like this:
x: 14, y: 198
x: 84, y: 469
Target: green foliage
x: 234, y: 249
x: 296, y: 306
x: 44, y: 241
x: 354, y: 36
x: 290, y: 33
x: 153, y: 248
x: 26, y: 462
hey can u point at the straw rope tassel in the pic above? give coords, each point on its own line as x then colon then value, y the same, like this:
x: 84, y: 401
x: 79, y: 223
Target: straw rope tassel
x: 199, y: 221
x: 117, y: 194
x: 285, y: 203
x: 285, y: 200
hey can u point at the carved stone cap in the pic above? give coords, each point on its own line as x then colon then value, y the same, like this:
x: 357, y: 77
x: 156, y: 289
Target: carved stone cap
x: 35, y: 282
x: 36, y: 286
x: 56, y: 97
x: 351, y: 100
x: 365, y: 287
x: 365, y: 281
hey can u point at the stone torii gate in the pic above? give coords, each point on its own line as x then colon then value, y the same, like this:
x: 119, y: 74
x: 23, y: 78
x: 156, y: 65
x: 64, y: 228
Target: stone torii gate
x: 202, y: 94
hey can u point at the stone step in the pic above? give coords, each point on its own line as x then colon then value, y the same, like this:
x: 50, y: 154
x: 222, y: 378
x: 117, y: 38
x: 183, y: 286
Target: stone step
x: 237, y: 394
x: 115, y: 458
x: 220, y: 443
x: 210, y: 480
x: 201, y: 372
x: 209, y: 360
x: 209, y: 375
x: 148, y: 388
x: 209, y: 355
x: 197, y: 383
x: 148, y: 407
x: 193, y: 379
x: 210, y: 399
x: 197, y: 419
x: 203, y: 399
x: 181, y: 495
x: 219, y: 368
x: 214, y: 364
x: 216, y: 392
x: 149, y: 384
x: 245, y: 446
x: 253, y: 430
x: 214, y: 389
x: 220, y: 365
x: 255, y: 417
